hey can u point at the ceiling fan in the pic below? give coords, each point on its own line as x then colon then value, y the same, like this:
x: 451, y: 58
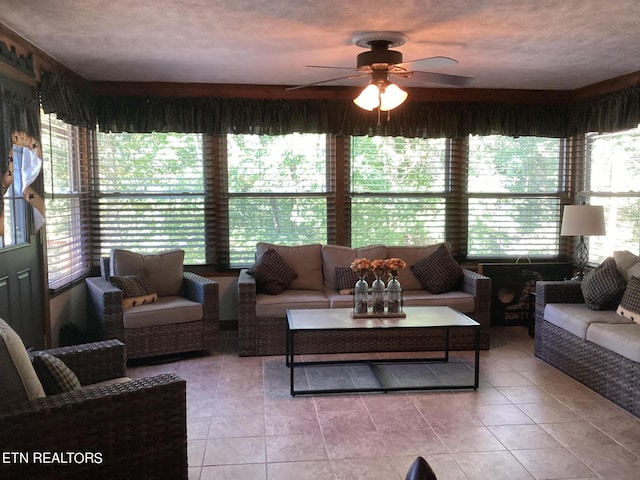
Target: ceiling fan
x: 380, y: 62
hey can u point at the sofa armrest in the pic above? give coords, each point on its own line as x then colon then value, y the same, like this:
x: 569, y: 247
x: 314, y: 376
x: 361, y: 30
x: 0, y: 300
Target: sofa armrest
x: 205, y: 291
x: 561, y: 291
x: 135, y: 429
x: 93, y: 362
x: 107, y: 304
x: 479, y: 286
x: 246, y: 314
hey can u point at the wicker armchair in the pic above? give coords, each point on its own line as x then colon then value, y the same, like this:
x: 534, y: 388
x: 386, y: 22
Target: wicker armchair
x: 163, y: 338
x: 126, y: 430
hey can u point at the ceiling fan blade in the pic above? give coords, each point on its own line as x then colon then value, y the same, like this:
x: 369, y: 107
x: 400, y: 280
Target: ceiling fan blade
x: 435, y: 62
x: 326, y: 66
x: 444, y: 78
x: 348, y: 77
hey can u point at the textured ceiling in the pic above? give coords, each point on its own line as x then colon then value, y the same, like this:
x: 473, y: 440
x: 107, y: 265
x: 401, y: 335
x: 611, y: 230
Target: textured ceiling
x: 516, y: 44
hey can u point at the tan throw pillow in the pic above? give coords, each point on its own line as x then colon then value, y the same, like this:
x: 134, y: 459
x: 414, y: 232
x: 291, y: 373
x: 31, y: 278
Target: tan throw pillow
x: 164, y: 269
x: 438, y: 272
x: 54, y: 374
x: 630, y: 304
x: 136, y: 290
x: 273, y: 275
x: 18, y: 379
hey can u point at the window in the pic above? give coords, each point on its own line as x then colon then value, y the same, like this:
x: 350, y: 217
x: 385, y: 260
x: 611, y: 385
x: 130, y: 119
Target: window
x: 13, y: 206
x: 398, y: 190
x: 149, y: 194
x: 515, y: 189
x: 66, y: 182
x: 612, y: 179
x: 277, y: 191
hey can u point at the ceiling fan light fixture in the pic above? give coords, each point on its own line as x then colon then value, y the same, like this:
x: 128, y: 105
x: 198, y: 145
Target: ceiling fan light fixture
x: 392, y: 97
x: 369, y: 98
x: 385, y: 96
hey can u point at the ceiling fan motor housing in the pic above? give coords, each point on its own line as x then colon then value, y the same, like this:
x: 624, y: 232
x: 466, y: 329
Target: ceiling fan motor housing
x: 379, y: 56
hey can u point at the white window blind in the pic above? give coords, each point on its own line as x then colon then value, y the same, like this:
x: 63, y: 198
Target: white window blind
x: 66, y: 187
x: 277, y: 192
x: 150, y: 193
x: 613, y: 176
x: 398, y: 190
x: 515, y: 190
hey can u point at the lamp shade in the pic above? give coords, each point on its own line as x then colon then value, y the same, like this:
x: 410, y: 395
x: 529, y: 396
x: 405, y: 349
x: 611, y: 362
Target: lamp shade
x: 583, y: 220
x: 392, y: 97
x: 386, y: 95
x: 369, y: 98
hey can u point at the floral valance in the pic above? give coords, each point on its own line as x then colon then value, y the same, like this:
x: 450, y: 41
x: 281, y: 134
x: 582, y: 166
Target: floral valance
x: 212, y: 115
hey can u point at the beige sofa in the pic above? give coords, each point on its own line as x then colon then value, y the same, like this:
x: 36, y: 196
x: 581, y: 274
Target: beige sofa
x: 262, y: 317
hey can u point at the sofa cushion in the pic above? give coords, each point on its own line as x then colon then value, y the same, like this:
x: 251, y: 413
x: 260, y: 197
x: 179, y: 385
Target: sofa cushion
x: 164, y: 269
x: 54, y: 374
x: 438, y: 272
x: 136, y: 290
x: 165, y: 311
x: 306, y: 261
x: 621, y: 338
x: 630, y: 304
x: 18, y: 379
x: 625, y: 261
x: 334, y: 256
x: 456, y: 299
x: 272, y: 273
x: 575, y: 318
x: 603, y: 286
x: 411, y: 255
x: 276, y: 306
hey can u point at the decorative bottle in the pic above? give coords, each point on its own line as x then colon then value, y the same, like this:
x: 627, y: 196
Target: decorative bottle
x: 361, y: 296
x: 394, y: 296
x: 377, y: 295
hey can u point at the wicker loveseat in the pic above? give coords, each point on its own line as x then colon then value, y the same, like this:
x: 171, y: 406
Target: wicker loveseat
x: 184, y: 317
x: 112, y: 427
x: 262, y: 317
x: 599, y: 348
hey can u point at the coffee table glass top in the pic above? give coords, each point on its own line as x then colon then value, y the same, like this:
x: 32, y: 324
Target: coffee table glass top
x: 340, y: 318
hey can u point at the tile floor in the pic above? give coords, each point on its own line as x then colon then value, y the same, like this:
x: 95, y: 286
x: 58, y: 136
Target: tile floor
x: 527, y: 421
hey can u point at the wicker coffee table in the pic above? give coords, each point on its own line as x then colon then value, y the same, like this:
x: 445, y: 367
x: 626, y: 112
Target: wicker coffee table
x: 332, y: 320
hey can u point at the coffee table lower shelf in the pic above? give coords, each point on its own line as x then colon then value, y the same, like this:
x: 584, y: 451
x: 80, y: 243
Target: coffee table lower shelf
x: 379, y: 368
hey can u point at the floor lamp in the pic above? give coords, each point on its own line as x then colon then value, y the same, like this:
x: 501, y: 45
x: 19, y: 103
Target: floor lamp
x: 581, y: 221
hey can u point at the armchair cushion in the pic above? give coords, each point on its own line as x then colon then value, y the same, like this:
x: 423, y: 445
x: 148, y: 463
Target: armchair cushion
x: 54, y: 374
x: 164, y: 270
x: 18, y: 379
x: 136, y: 290
x: 166, y: 311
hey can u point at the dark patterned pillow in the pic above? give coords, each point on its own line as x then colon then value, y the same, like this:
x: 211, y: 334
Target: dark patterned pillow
x: 136, y: 290
x: 603, y: 286
x: 346, y: 278
x: 438, y: 272
x: 630, y: 304
x: 54, y: 374
x: 273, y: 275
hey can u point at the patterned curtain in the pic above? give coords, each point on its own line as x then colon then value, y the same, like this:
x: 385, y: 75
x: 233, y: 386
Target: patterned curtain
x: 210, y: 115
